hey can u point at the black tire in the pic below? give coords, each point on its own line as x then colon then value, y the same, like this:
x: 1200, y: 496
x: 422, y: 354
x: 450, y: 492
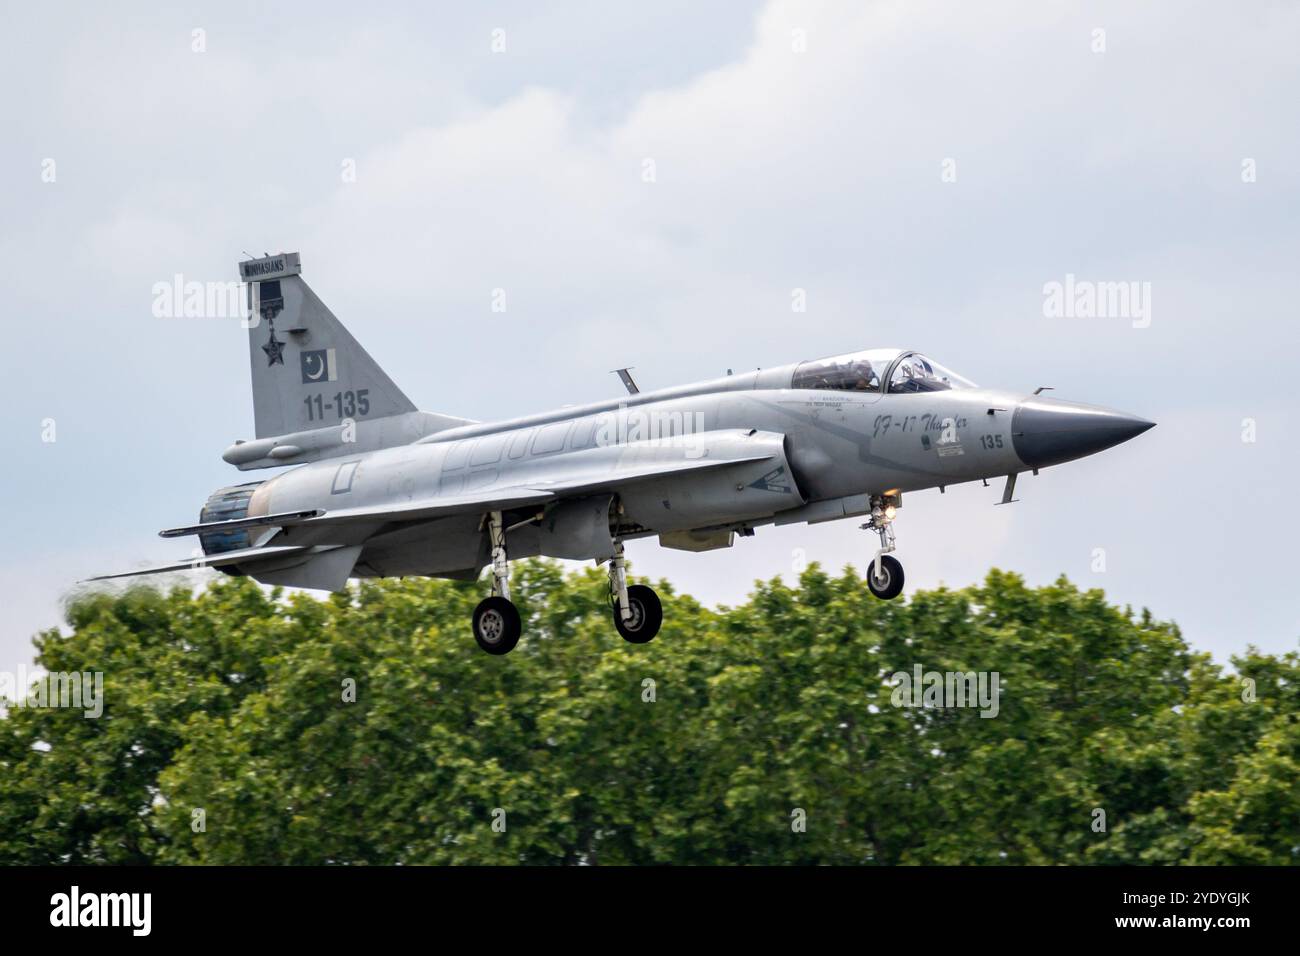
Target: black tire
x: 496, y: 625
x: 647, y: 615
x: 890, y: 584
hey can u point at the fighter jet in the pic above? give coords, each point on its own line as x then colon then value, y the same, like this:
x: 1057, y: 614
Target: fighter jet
x: 380, y: 489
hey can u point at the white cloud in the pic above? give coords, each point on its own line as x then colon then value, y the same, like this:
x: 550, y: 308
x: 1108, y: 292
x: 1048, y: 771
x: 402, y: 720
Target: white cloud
x: 775, y: 170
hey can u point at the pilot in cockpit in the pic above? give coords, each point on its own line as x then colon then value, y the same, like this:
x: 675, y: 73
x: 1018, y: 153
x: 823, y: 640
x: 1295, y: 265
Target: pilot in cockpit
x: 864, y: 377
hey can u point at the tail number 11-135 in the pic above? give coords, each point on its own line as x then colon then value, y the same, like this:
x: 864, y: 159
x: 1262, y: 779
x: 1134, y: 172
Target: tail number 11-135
x: 344, y: 405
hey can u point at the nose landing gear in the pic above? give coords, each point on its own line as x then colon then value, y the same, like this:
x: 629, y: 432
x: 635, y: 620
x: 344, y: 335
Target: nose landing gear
x: 885, y: 573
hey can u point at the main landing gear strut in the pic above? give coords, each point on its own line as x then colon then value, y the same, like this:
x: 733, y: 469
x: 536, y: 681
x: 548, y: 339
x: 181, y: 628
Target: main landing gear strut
x: 885, y: 573
x: 637, y: 611
x: 496, y: 619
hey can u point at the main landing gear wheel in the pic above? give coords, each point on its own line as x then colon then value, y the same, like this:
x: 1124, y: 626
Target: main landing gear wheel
x: 496, y: 625
x: 646, y: 617
x: 496, y: 620
x: 889, y: 583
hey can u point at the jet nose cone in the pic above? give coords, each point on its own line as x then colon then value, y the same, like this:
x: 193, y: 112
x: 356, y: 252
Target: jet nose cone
x: 1047, y: 431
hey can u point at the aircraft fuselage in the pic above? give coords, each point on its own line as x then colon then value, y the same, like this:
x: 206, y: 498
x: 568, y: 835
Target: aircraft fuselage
x: 835, y: 449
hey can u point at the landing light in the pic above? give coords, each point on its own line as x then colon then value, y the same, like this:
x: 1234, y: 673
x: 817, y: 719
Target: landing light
x: 890, y: 511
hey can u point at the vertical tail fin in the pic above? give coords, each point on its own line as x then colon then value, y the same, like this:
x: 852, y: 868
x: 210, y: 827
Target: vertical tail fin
x: 308, y: 371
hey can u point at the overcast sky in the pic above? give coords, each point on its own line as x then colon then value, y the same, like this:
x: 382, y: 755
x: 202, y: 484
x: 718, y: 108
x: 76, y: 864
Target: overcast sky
x: 921, y: 169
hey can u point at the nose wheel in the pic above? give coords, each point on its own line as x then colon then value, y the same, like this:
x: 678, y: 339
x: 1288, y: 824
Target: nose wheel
x: 885, y: 577
x: 885, y: 573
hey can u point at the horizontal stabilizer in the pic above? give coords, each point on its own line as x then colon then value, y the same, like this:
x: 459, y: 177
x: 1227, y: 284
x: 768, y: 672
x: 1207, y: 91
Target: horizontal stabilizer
x: 238, y: 524
x: 210, y: 561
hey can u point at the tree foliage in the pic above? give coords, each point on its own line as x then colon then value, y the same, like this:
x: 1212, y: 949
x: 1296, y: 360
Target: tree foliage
x: 763, y: 734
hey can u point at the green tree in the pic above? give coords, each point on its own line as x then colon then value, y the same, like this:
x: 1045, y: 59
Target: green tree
x: 368, y: 728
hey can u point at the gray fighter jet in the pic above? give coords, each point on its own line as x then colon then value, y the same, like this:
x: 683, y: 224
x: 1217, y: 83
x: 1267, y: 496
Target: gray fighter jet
x: 381, y: 489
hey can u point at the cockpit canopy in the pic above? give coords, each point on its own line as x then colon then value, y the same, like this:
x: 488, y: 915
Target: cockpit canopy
x: 877, y: 370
